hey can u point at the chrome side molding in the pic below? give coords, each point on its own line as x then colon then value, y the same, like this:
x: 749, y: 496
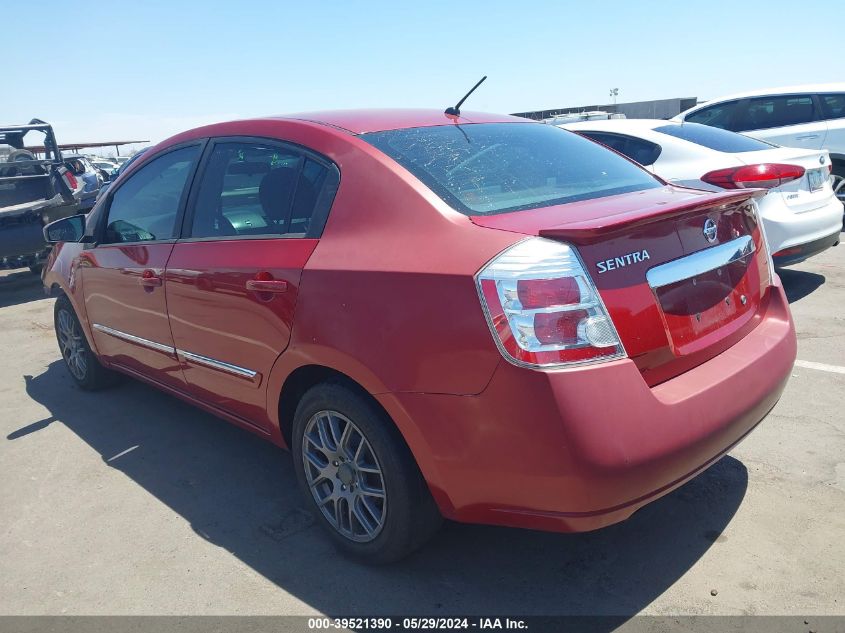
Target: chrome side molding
x: 183, y: 355
x: 701, y: 262
x: 212, y: 363
x: 143, y: 342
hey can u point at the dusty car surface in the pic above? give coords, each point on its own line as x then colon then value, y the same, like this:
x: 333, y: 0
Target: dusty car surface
x: 33, y: 192
x: 467, y: 316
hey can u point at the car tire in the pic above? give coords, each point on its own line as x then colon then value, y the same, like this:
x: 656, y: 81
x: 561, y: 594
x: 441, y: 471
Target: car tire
x: 81, y: 362
x: 331, y: 458
x: 837, y: 181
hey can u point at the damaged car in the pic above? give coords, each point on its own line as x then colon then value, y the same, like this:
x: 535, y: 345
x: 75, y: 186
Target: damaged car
x: 33, y: 192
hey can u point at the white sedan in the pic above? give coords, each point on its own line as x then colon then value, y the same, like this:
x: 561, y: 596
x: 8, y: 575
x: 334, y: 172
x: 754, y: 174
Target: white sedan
x: 801, y: 214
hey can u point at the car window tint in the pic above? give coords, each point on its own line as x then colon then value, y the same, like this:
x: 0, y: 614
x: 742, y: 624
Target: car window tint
x: 145, y: 206
x: 310, y: 185
x: 256, y: 189
x: 720, y: 115
x: 491, y: 168
x: 834, y: 106
x: 714, y: 138
x: 768, y: 112
x: 637, y: 149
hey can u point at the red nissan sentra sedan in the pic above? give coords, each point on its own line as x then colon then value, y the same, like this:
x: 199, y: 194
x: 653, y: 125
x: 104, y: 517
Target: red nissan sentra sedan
x: 475, y: 317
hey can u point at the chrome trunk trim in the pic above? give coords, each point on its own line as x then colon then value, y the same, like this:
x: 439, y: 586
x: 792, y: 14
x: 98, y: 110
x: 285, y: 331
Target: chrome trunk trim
x: 701, y: 262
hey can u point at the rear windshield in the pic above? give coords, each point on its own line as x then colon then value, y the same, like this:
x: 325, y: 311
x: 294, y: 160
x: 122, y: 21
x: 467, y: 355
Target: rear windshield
x: 714, y: 138
x: 488, y: 168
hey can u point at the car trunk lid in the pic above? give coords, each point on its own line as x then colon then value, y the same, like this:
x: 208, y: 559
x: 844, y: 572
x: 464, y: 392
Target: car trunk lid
x: 676, y: 296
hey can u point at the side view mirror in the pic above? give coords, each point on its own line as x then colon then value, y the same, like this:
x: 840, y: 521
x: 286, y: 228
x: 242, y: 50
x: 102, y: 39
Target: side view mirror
x: 69, y: 229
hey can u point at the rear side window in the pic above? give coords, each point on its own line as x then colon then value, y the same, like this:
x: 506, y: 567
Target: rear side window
x: 257, y: 189
x: 714, y: 138
x: 721, y: 115
x: 76, y: 166
x: 144, y: 208
x: 833, y: 106
x: 487, y: 168
x: 637, y: 149
x: 779, y: 111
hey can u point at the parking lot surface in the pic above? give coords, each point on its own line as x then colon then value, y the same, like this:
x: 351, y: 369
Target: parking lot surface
x: 131, y: 502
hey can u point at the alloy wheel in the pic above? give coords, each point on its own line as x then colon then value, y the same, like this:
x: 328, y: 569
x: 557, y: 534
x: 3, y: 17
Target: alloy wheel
x: 344, y: 476
x: 72, y: 345
x: 838, y: 184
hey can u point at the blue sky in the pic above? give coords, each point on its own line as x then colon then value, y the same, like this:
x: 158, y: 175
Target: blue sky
x: 100, y: 70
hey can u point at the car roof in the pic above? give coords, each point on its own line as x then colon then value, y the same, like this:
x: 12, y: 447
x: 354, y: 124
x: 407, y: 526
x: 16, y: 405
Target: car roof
x: 343, y: 122
x: 382, y: 119
x: 617, y: 125
x: 783, y: 90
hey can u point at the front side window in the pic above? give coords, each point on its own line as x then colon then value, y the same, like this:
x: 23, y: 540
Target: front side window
x: 146, y: 205
x: 256, y: 189
x: 833, y: 105
x: 713, y: 138
x: 720, y: 115
x: 769, y: 112
x: 637, y: 149
x: 487, y: 168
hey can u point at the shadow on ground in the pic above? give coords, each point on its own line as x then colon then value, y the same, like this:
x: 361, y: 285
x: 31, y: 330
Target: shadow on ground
x: 20, y: 287
x: 799, y: 283
x: 239, y: 493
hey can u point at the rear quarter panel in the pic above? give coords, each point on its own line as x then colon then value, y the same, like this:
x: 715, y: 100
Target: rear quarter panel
x: 388, y: 295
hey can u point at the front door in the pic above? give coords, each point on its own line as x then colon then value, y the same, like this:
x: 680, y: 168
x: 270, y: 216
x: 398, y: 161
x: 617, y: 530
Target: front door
x: 123, y: 275
x: 233, y: 279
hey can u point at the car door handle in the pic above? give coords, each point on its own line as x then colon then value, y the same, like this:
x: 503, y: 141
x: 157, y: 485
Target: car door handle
x: 267, y: 285
x: 149, y: 279
x: 804, y: 137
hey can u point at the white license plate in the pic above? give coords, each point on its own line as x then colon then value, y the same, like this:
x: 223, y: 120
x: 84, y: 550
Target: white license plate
x: 817, y: 178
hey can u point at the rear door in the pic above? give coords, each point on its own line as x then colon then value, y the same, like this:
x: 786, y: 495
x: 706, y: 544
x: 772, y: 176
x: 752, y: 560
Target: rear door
x: 123, y: 275
x: 788, y: 120
x: 253, y: 220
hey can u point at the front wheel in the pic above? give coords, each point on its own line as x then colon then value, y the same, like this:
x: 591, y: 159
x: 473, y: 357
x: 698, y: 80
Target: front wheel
x: 359, y: 477
x: 81, y: 362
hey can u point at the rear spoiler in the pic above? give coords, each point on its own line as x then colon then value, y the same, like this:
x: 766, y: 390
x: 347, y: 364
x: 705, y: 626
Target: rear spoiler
x: 588, y: 231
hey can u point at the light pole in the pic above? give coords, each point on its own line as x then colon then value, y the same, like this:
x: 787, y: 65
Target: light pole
x: 614, y: 92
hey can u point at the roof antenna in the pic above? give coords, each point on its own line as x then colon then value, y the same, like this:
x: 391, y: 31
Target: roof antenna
x: 456, y: 110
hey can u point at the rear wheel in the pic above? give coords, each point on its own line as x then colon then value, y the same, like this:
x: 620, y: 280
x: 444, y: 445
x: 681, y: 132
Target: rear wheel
x: 358, y: 476
x: 81, y: 362
x: 837, y: 181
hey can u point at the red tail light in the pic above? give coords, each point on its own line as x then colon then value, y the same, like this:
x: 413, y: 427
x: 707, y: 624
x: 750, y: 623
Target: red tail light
x: 766, y: 176
x: 70, y: 179
x: 543, y: 308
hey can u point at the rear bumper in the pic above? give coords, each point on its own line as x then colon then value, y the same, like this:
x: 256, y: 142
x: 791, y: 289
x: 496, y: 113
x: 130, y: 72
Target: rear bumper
x: 786, y: 229
x: 800, y: 252
x: 578, y: 449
